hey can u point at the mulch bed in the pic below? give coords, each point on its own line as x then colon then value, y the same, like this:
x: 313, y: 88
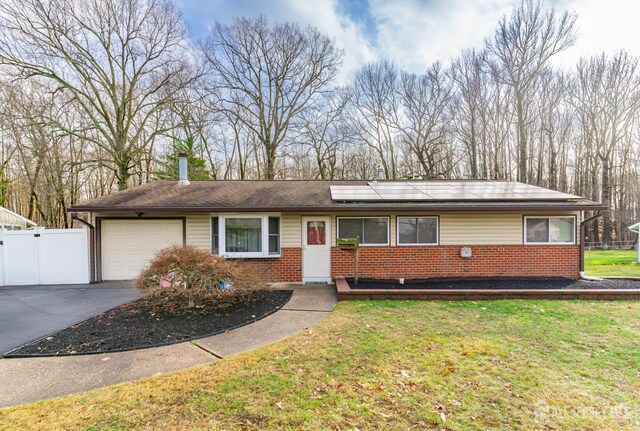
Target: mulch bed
x: 492, y: 283
x: 155, y: 321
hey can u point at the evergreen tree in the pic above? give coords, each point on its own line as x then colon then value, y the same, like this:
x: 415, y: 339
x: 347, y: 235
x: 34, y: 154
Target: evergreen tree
x: 168, y: 165
x: 4, y: 184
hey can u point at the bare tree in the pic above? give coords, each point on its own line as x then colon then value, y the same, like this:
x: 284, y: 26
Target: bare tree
x: 469, y: 105
x: 376, y: 112
x: 520, y: 50
x: 322, y: 129
x: 608, y: 95
x: 272, y: 74
x: 424, y: 123
x: 120, y: 60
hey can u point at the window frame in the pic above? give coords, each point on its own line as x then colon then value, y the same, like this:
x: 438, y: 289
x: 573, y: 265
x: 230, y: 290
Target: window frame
x: 388, y: 243
x: 573, y: 217
x: 415, y: 244
x: 264, y: 234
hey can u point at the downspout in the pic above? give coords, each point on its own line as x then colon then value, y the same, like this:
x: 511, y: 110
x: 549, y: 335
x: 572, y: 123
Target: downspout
x: 92, y: 275
x: 582, y: 234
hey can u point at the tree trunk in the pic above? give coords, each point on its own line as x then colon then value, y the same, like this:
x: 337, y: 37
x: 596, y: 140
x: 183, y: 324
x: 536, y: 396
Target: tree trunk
x: 271, y: 163
x: 474, y: 150
x: 606, y: 200
x: 123, y: 175
x: 522, y: 141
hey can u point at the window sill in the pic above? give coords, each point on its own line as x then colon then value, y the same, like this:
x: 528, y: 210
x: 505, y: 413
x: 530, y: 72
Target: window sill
x: 550, y: 243
x: 250, y: 256
x: 374, y: 245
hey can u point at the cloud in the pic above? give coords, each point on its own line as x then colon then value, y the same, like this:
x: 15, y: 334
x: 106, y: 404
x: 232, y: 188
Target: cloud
x: 323, y: 14
x: 603, y: 26
x: 416, y: 33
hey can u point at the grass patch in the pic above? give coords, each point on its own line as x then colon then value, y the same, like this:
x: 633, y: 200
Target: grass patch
x: 394, y: 365
x: 611, y: 263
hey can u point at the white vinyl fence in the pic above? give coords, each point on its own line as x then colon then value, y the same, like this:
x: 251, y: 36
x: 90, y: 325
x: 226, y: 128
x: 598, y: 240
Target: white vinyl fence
x: 44, y: 256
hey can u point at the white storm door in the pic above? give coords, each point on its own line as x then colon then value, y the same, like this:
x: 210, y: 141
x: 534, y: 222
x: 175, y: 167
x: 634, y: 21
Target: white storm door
x: 316, y: 249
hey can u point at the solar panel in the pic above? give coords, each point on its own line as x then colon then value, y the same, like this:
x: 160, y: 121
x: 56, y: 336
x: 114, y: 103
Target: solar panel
x: 404, y: 196
x: 353, y: 193
x: 412, y: 191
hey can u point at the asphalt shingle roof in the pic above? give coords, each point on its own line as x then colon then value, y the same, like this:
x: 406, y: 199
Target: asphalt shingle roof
x: 285, y: 196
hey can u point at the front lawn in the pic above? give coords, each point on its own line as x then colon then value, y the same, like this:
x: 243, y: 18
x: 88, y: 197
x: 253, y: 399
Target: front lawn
x: 394, y: 365
x: 611, y: 263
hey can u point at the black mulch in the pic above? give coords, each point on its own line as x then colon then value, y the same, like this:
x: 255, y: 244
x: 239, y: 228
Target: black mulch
x: 493, y: 283
x: 154, y: 321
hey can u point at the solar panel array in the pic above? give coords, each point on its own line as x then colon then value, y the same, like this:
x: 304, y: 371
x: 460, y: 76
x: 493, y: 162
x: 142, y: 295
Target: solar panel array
x: 412, y: 191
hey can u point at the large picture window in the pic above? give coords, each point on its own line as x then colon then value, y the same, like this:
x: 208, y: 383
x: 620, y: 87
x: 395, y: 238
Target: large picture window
x: 417, y: 230
x: 550, y: 230
x: 370, y: 230
x: 243, y: 235
x: 246, y: 236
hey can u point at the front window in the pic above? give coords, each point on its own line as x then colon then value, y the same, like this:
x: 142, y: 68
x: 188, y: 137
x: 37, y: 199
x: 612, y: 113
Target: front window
x: 417, y: 230
x: 550, y: 230
x: 370, y: 230
x: 246, y: 236
x: 243, y: 235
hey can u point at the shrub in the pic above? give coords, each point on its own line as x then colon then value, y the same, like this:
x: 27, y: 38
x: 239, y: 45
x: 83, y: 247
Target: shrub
x: 193, y: 273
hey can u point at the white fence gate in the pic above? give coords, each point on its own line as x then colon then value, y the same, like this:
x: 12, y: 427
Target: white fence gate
x: 44, y: 256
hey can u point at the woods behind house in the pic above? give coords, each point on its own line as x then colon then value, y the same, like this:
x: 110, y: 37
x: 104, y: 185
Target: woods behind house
x: 101, y: 95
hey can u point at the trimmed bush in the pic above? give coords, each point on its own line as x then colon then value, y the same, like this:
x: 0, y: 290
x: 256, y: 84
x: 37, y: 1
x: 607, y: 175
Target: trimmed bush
x: 192, y: 273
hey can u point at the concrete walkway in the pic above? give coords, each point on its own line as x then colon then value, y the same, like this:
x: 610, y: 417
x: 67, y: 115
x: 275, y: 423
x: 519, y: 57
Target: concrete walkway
x: 32, y: 379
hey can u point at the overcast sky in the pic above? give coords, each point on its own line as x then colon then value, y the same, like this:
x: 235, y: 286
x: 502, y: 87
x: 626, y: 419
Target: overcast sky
x: 415, y: 33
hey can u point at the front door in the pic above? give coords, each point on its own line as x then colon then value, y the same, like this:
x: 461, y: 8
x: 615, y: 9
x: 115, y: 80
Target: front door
x: 316, y: 249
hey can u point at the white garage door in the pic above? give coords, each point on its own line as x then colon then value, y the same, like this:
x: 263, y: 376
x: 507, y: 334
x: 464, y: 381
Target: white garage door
x: 127, y: 245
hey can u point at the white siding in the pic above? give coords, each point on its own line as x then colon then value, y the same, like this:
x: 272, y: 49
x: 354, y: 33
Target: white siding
x: 480, y: 229
x: 455, y: 228
x: 199, y: 230
x: 291, y: 230
x: 488, y: 228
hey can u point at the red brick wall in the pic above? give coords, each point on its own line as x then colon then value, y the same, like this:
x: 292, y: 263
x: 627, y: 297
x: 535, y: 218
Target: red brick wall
x: 287, y: 268
x: 433, y: 262
x: 445, y: 261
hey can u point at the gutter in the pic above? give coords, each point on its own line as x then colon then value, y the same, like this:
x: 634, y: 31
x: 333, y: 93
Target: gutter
x: 92, y: 275
x: 582, y: 233
x: 409, y: 208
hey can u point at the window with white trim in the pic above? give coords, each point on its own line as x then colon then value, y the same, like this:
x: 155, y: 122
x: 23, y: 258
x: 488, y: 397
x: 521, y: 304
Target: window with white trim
x: 245, y: 236
x: 215, y: 235
x: 370, y: 230
x: 417, y: 230
x: 549, y: 230
x: 274, y: 235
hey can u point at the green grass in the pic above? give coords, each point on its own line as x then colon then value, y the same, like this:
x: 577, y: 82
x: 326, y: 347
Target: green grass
x: 394, y: 365
x: 611, y: 263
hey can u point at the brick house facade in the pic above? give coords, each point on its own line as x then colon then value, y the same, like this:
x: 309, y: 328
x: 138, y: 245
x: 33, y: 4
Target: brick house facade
x: 415, y: 229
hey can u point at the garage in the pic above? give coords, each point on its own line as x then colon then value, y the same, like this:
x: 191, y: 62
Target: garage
x: 126, y: 245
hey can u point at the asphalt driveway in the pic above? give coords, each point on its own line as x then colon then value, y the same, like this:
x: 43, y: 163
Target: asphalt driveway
x: 31, y: 312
